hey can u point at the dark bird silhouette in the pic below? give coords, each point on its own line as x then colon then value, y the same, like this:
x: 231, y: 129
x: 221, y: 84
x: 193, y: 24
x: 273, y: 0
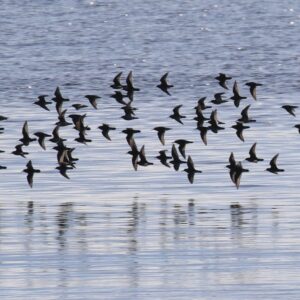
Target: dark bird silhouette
x: 93, y: 100
x: 232, y: 162
x: 42, y: 102
x: 78, y: 106
x: 245, y: 118
x: 191, y: 170
x: 82, y: 139
x: 105, y: 128
x: 222, y: 78
x: 163, y: 158
x: 78, y: 121
x: 203, y: 134
x: 273, y: 165
x: 2, y: 118
x: 176, y: 161
x: 253, y: 157
x: 176, y: 115
x: 55, y: 135
x: 30, y: 171
x: 129, y: 84
x: 200, y: 118
x: 59, y: 99
x: 182, y: 144
x: 62, y: 120
x: 119, y: 97
x: 218, y: 99
x: 201, y: 104
x: 41, y: 138
x: 143, y: 160
x: 164, y: 86
x: 236, y: 174
x: 19, y: 151
x: 290, y: 109
x: 129, y: 112
x: 214, y: 122
x: 298, y: 127
x: 63, y: 168
x: 239, y: 127
x: 253, y: 86
x: 116, y: 81
x: 129, y: 134
x: 26, y: 139
x: 236, y: 95
x: 3, y: 167
x: 161, y: 133
x: 134, y: 152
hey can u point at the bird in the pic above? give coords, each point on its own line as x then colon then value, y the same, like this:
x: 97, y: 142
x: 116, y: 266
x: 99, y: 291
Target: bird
x: 41, y: 138
x: 59, y: 99
x: 239, y: 127
x: 129, y: 112
x: 203, y: 133
x: 236, y: 95
x: 182, y: 144
x: 218, y: 99
x: 290, y: 109
x: 199, y: 116
x: 92, y: 99
x: 78, y: 106
x: 298, y: 127
x: 232, y: 162
x: 176, y: 161
x: 129, y: 84
x: 214, y: 122
x: 55, y: 135
x: 61, y: 119
x: 164, y: 86
x: 252, y: 152
x: 42, y: 102
x: 116, y: 81
x: 30, y: 171
x: 118, y: 96
x: 161, y: 133
x: 82, y: 139
x: 19, y: 151
x: 253, y: 86
x: 26, y: 139
x: 201, y: 104
x: 163, y: 158
x: 222, y: 78
x: 176, y: 115
x: 236, y: 173
x: 105, y: 128
x: 273, y: 165
x: 245, y: 118
x: 134, y: 152
x: 191, y: 169
x: 143, y: 161
x: 129, y: 134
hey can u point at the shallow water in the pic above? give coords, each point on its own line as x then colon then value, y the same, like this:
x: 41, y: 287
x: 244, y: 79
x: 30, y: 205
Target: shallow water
x: 110, y: 232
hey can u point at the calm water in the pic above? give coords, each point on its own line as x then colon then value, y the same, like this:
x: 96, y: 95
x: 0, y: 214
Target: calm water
x: 110, y: 232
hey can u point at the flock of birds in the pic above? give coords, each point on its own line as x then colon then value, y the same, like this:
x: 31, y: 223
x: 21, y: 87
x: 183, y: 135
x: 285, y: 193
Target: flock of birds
x: 124, y: 95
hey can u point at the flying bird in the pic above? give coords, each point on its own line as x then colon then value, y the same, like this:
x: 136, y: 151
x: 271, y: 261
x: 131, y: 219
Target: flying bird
x: 273, y: 165
x: 164, y: 86
x: 253, y: 86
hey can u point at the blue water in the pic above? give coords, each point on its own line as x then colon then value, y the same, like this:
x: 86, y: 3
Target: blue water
x: 110, y: 232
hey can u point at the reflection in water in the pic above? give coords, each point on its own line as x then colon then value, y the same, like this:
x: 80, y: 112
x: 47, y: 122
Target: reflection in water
x: 138, y: 245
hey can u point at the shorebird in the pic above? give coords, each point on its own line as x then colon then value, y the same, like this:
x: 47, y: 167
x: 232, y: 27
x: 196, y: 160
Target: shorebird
x: 222, y: 78
x: 273, y: 165
x: 164, y: 86
x: 253, y: 86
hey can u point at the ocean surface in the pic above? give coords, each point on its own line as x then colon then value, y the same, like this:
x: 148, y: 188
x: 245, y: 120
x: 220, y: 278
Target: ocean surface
x: 110, y: 232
